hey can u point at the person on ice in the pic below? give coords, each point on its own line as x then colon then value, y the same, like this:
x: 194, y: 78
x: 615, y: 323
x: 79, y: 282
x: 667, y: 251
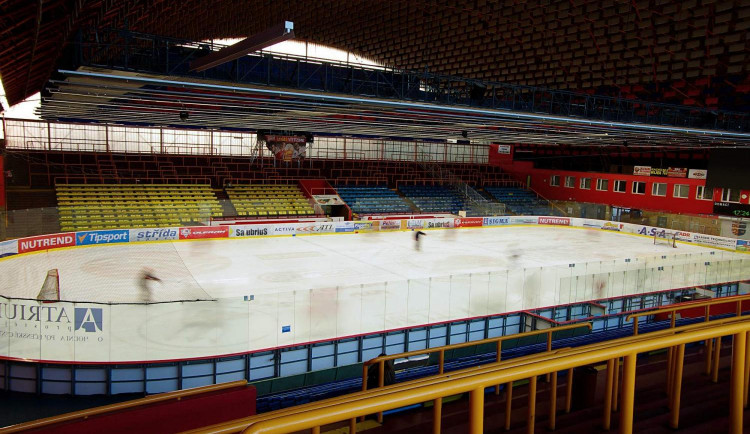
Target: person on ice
x: 416, y: 238
x: 147, y: 275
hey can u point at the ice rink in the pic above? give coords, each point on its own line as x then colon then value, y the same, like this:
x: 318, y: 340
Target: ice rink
x: 214, y: 269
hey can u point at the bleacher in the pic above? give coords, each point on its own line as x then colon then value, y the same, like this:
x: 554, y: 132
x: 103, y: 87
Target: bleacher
x: 372, y: 199
x: 269, y: 200
x: 433, y: 198
x: 110, y: 206
x: 520, y: 201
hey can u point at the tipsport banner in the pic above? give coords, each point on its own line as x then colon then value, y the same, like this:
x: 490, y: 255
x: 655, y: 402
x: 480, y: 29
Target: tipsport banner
x: 102, y: 237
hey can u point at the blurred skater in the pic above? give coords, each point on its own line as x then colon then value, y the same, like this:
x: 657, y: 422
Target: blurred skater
x: 147, y: 276
x: 416, y: 239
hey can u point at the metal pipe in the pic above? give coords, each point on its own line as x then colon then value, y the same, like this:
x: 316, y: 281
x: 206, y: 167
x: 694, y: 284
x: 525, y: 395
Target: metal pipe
x: 568, y: 390
x: 437, y: 415
x: 635, y: 326
x: 608, y: 395
x: 476, y: 411
x: 381, y: 383
x: 315, y: 430
x: 499, y: 356
x: 674, y: 420
x: 553, y: 402
x: 670, y: 361
x: 709, y: 350
x: 508, y: 404
x: 717, y: 355
x: 616, y: 385
x: 628, y: 393
x: 531, y: 415
x: 747, y: 373
x: 353, y: 425
x: 737, y: 382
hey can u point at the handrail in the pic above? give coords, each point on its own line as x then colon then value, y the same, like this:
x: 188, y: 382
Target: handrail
x: 446, y: 385
x: 688, y: 305
x: 85, y: 414
x: 380, y: 360
x: 238, y: 424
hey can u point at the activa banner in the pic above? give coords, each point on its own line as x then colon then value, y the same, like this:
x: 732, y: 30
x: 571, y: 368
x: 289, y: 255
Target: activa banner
x: 202, y: 232
x: 102, y: 237
x: 45, y: 242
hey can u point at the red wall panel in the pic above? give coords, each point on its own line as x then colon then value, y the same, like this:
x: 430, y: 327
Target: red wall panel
x: 540, y: 179
x: 2, y: 183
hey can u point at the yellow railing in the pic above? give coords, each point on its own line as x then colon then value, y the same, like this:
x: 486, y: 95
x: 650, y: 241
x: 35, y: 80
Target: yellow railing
x: 85, y: 414
x: 240, y: 424
x: 713, y: 351
x: 441, y: 357
x: 450, y: 384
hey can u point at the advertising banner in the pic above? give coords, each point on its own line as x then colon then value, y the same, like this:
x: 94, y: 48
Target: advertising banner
x: 390, y: 225
x: 503, y: 149
x: 557, y: 221
x: 642, y: 170
x: 677, y: 172
x: 102, y: 237
x: 345, y: 227
x: 364, y: 226
x: 743, y: 245
x: 316, y: 228
x: 658, y: 171
x: 8, y: 248
x: 524, y: 220
x: 202, y: 232
x: 285, y: 229
x: 468, y: 222
x: 438, y: 223
x: 415, y: 224
x: 612, y: 226
x: 697, y: 174
x: 495, y: 221
x: 158, y: 234
x: 251, y: 230
x: 712, y: 240
x: 45, y: 242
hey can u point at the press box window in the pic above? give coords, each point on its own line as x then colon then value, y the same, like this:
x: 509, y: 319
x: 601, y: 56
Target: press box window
x: 639, y: 187
x: 570, y: 181
x: 681, y: 191
x: 554, y: 181
x: 659, y: 189
x: 586, y: 183
x: 602, y: 184
x: 704, y: 193
x: 729, y: 195
x: 620, y: 186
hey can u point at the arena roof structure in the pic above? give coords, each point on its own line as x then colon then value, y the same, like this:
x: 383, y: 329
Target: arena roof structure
x: 581, y: 71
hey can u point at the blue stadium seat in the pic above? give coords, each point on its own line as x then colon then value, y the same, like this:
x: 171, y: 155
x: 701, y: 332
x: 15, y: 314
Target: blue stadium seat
x: 372, y: 199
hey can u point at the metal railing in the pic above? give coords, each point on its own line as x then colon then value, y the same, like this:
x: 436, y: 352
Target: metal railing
x: 475, y: 380
x: 441, y: 358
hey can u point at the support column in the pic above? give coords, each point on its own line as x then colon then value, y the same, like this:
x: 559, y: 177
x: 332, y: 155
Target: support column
x: 674, y: 420
x: 628, y: 394
x: 552, y: 401
x: 476, y: 411
x: 608, y: 394
x: 737, y: 383
x: 531, y: 417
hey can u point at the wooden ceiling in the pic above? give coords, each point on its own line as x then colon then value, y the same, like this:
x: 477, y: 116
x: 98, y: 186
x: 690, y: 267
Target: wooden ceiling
x: 568, y: 44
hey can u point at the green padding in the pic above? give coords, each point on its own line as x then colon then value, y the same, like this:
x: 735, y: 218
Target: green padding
x: 510, y: 344
x: 486, y: 348
x: 433, y: 359
x: 464, y: 352
x: 263, y: 387
x: 321, y: 377
x: 349, y: 371
x: 287, y: 383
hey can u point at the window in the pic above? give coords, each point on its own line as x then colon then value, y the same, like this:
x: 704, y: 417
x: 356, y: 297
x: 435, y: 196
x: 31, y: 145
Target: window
x: 681, y: 190
x: 570, y: 181
x: 729, y: 195
x: 639, y: 187
x: 554, y: 180
x: 602, y: 184
x: 659, y: 189
x: 586, y: 183
x: 620, y: 185
x: 704, y: 193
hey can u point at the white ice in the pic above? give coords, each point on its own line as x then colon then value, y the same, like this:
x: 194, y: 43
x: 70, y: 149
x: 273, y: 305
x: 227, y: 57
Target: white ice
x: 213, y: 269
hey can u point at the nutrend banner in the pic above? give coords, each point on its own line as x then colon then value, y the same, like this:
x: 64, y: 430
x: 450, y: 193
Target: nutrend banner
x: 557, y: 221
x: 46, y: 242
x: 199, y: 232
